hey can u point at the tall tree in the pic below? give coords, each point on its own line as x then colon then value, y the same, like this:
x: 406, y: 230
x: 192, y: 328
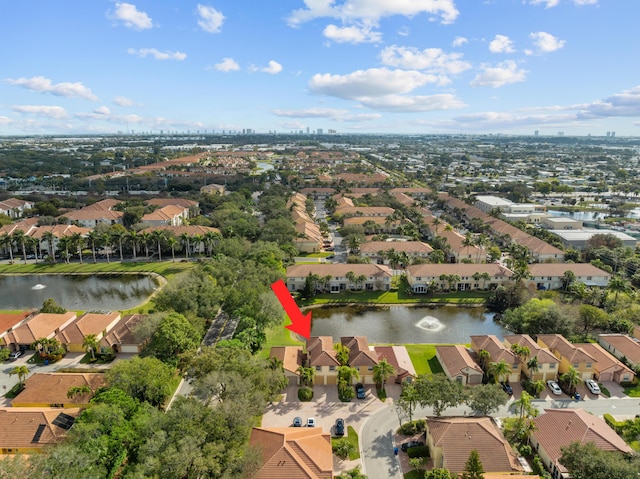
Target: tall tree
x: 94, y: 239
x: 473, y: 467
x: 571, y: 378
x: 382, y: 371
x: 20, y: 239
x: 499, y: 370
x: 22, y: 372
x: 91, y: 344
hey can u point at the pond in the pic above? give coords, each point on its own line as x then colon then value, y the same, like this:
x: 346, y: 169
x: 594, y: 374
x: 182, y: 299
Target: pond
x: 405, y: 324
x: 77, y: 292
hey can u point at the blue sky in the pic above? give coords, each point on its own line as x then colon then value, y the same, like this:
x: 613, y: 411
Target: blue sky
x: 370, y: 66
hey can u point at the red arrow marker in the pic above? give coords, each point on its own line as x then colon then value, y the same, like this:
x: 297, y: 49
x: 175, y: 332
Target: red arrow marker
x: 300, y: 324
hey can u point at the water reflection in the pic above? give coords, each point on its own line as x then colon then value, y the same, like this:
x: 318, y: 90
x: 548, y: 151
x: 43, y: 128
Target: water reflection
x: 76, y: 292
x: 404, y: 324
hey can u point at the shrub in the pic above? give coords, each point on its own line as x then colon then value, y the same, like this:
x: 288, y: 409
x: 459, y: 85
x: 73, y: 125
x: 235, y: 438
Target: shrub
x: 617, y: 426
x: 342, y: 448
x: 418, y: 451
x: 305, y: 393
x: 413, y: 427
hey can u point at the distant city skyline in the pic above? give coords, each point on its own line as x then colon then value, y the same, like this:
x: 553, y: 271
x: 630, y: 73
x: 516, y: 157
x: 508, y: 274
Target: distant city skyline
x: 532, y: 67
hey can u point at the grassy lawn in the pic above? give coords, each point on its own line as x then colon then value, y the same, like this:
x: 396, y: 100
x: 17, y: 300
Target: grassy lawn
x: 164, y: 268
x: 352, y: 437
x: 278, y: 336
x: 322, y: 254
x: 423, y: 357
x: 633, y: 391
x: 394, y: 297
x: 414, y: 474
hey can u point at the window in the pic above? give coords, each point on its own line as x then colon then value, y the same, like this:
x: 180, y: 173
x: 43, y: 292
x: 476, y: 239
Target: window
x: 552, y: 366
x: 589, y: 278
x: 589, y: 365
x: 318, y: 368
x: 332, y: 368
x: 515, y: 366
x: 370, y: 368
x: 575, y: 365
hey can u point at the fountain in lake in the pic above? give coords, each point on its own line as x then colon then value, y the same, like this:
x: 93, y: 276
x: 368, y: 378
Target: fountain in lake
x: 430, y: 323
x: 39, y: 286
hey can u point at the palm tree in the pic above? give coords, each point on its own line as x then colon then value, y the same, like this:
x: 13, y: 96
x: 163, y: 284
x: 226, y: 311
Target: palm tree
x: 484, y: 356
x: 49, y: 237
x: 22, y: 372
x: 185, y: 239
x: 571, y: 378
x: 198, y: 240
x: 351, y: 276
x: 90, y: 344
x: 78, y: 242
x: 146, y: 239
x: 381, y: 372
x: 347, y: 373
x: 533, y: 366
x: 212, y: 237
x: 94, y: 238
x: 618, y: 284
x: 117, y: 234
x: 63, y: 247
x: 360, y: 280
x: 485, y: 277
x: 435, y: 222
x: 133, y: 238
x: 499, y: 369
x: 159, y: 236
x: 34, y: 243
x: 523, y: 406
x: 77, y: 392
x: 306, y: 375
x: 19, y: 238
x: 172, y: 244
x: 476, y: 277
x: 106, y: 242
x: 453, y: 279
x: 7, y: 242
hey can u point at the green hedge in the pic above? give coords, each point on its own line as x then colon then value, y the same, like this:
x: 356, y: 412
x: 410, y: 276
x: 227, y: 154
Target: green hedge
x: 418, y: 451
x: 305, y: 394
x: 617, y: 426
x: 413, y: 427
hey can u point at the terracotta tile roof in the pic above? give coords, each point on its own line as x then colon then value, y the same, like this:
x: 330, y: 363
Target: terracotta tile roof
x: 293, y: 453
x: 59, y: 231
x: 359, y: 352
x: 558, y: 344
x: 364, y: 210
x: 191, y: 230
x: 560, y: 427
x: 496, y: 349
x: 535, y: 351
x: 398, y: 246
x: 291, y: 357
x: 124, y: 331
x: 89, y: 323
x: 459, y: 436
x: 360, y: 220
x: 398, y: 357
x: 93, y: 215
x: 9, y: 320
x: 558, y: 269
x: 165, y: 213
x: 337, y: 270
x: 106, y: 204
x: 180, y: 202
x: 604, y: 360
x: 307, y: 191
x: 11, y: 203
x: 457, y: 359
x: 52, y: 388
x: 27, y: 226
x: 40, y: 326
x: 461, y: 269
x: 623, y: 343
x: 20, y: 426
x: 320, y: 351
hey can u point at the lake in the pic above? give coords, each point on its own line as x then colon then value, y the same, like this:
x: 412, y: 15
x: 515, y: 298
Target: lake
x: 77, y: 292
x: 405, y: 324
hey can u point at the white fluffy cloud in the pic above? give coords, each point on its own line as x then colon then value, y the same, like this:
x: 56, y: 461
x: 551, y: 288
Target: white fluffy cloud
x: 227, y: 65
x: 352, y: 34
x: 272, y: 68
x: 55, y: 112
x: 545, y: 42
x: 546, y: 3
x: 123, y: 101
x: 157, y: 54
x: 369, y: 83
x: 332, y: 113
x: 431, y: 59
x: 5, y: 120
x: 371, y: 11
x: 626, y: 104
x: 500, y: 75
x: 419, y: 103
x: 501, y: 44
x: 210, y: 20
x: 129, y: 14
x: 459, y: 41
x: 44, y: 85
x: 102, y: 110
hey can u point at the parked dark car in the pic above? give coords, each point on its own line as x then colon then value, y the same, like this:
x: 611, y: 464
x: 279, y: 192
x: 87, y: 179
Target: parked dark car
x: 408, y: 445
x: 360, y: 392
x: 297, y: 422
x: 507, y: 388
x: 339, y: 427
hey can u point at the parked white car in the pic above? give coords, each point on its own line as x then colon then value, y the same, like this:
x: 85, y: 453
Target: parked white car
x: 592, y: 386
x: 555, y: 389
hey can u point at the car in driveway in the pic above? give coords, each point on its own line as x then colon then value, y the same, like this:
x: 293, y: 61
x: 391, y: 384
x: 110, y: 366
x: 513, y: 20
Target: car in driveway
x: 555, y: 388
x: 311, y: 422
x: 297, y: 422
x: 409, y: 444
x: 15, y: 355
x: 339, y: 428
x: 592, y: 386
x: 506, y: 387
x: 360, y: 392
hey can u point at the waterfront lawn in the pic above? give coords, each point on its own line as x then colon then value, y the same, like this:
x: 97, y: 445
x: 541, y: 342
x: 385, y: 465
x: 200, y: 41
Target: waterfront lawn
x: 396, y: 297
x: 278, y: 336
x: 423, y: 357
x: 163, y: 268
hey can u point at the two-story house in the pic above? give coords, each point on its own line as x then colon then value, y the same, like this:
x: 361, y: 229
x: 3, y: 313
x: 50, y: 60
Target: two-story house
x: 545, y: 366
x: 322, y: 357
x: 570, y: 355
x: 497, y: 352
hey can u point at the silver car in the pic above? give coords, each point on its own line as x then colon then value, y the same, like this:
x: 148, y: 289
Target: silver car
x: 592, y: 386
x: 555, y: 389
